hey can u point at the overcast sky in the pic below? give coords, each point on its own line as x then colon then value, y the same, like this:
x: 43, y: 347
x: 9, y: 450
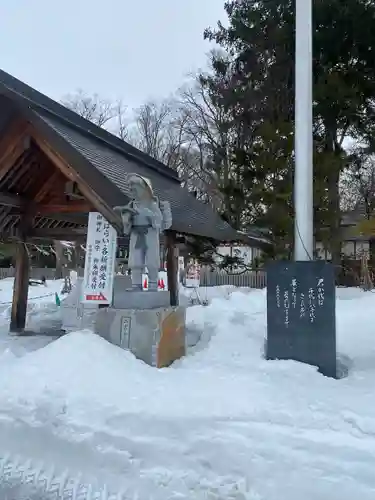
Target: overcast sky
x: 125, y: 49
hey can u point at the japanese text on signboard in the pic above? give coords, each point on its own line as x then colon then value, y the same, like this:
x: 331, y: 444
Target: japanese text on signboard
x: 293, y: 297
x: 100, y: 260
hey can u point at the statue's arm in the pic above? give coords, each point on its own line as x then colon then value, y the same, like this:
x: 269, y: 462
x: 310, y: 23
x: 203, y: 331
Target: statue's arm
x: 126, y: 213
x: 165, y: 208
x: 125, y: 208
x: 157, y: 218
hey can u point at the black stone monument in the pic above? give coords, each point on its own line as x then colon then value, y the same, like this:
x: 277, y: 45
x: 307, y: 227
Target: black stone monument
x: 301, y: 314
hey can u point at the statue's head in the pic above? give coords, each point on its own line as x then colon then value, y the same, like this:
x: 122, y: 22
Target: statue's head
x: 140, y: 188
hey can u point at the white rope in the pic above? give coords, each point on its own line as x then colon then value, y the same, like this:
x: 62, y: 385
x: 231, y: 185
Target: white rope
x: 30, y: 298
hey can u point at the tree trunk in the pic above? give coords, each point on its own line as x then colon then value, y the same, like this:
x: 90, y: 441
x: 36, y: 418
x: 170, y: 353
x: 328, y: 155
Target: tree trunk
x: 335, y: 222
x: 371, y: 253
x: 332, y: 147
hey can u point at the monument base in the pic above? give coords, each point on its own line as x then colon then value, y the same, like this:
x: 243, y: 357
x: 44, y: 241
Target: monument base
x: 140, y: 299
x: 156, y: 336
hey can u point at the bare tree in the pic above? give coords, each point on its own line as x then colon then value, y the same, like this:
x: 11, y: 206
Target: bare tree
x: 152, y: 120
x: 102, y: 112
x: 207, y: 136
x: 357, y: 184
x: 153, y: 127
x: 186, y: 133
x: 357, y: 191
x: 157, y: 131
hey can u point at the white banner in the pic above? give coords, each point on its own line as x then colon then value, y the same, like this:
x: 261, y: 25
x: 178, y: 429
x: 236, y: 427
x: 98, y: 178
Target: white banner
x: 100, y: 260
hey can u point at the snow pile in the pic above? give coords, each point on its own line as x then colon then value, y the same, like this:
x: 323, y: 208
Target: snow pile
x: 76, y: 365
x: 222, y: 423
x: 83, y: 368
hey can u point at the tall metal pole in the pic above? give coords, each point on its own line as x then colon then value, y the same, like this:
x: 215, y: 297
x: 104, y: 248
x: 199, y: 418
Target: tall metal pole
x: 303, y: 180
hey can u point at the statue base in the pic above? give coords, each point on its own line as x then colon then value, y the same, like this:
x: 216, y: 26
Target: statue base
x: 139, y: 299
x: 121, y: 283
x: 154, y: 335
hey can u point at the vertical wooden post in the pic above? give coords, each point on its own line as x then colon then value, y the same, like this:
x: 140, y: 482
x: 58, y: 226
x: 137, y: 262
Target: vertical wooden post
x: 21, y: 289
x: 21, y: 279
x: 172, y: 267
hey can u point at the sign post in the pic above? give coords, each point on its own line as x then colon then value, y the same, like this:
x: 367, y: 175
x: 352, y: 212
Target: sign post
x: 301, y: 323
x: 303, y: 135
x: 100, y: 261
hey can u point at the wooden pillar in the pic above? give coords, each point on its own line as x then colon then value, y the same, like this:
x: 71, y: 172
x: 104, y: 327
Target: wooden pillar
x: 21, y: 279
x: 172, y: 267
x: 21, y: 288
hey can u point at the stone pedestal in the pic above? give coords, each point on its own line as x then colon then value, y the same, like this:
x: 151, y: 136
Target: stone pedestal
x: 145, y: 325
x: 121, y: 283
x: 125, y: 299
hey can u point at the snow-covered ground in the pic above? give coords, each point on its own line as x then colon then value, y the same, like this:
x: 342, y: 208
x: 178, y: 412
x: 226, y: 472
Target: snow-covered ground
x: 43, y: 315
x: 222, y: 423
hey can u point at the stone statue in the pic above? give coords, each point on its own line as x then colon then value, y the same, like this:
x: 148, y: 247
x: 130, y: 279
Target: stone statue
x: 144, y: 218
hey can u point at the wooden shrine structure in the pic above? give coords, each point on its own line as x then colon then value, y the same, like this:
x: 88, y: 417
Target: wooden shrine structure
x: 56, y: 167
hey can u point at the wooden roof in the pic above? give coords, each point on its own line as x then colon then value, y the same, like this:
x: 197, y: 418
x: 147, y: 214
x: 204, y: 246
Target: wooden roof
x: 55, y: 144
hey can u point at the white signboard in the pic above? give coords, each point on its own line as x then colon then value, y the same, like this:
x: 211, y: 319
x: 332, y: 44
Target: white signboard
x: 100, y: 260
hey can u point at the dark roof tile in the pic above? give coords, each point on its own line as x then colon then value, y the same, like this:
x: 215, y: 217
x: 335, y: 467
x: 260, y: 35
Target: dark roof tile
x: 38, y: 100
x: 189, y: 214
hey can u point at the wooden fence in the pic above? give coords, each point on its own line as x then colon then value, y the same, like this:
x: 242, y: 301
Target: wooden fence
x: 35, y: 272
x: 251, y: 279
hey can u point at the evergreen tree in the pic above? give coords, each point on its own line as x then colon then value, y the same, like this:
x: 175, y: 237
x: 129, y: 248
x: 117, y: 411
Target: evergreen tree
x: 259, y: 96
